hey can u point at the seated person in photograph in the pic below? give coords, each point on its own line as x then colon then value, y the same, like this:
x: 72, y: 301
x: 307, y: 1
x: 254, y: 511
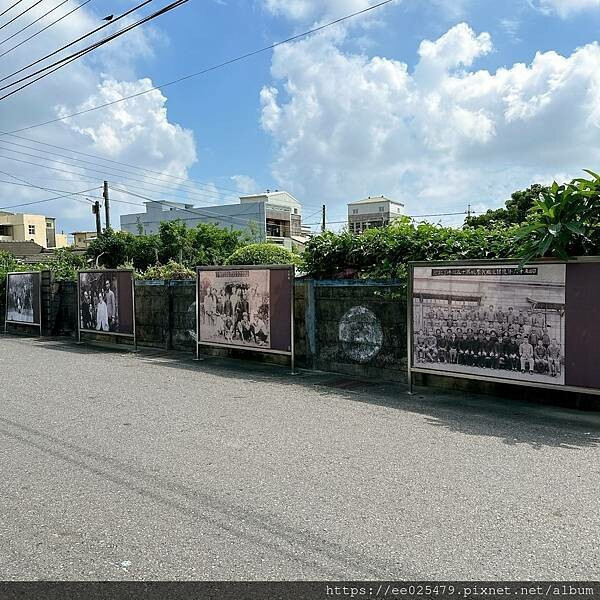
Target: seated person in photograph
x: 431, y: 352
x: 228, y: 328
x: 470, y: 348
x: 491, y: 351
x: 480, y: 349
x: 421, y: 344
x: 245, y: 328
x: 554, y: 357
x: 441, y: 344
x: 503, y: 359
x: 259, y: 330
x: 512, y: 353
x: 463, y: 348
x: 453, y: 349
x: 526, y: 354
x: 540, y: 355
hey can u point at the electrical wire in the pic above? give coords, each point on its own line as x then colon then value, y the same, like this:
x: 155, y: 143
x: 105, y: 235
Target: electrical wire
x: 63, y: 62
x: 12, y: 6
x: 21, y: 14
x: 39, y: 60
x: 10, y: 37
x: 44, y: 28
x: 208, y: 69
x: 48, y: 199
x: 25, y: 183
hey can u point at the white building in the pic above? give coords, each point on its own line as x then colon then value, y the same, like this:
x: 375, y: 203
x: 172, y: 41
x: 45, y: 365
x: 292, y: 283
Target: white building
x: 274, y: 217
x: 371, y: 212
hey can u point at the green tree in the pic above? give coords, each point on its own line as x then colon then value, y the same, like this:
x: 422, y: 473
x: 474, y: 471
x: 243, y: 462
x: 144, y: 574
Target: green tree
x: 110, y: 249
x: 262, y: 254
x: 564, y: 221
x: 515, y: 212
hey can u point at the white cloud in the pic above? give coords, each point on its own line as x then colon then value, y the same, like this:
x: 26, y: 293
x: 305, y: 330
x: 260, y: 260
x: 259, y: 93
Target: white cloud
x: 441, y: 137
x: 137, y: 131
x: 245, y: 184
x: 566, y: 8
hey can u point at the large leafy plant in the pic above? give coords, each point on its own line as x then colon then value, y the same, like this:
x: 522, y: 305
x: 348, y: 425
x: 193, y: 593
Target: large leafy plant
x: 563, y: 221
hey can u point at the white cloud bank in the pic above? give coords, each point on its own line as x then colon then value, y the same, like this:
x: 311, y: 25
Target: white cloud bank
x: 439, y: 137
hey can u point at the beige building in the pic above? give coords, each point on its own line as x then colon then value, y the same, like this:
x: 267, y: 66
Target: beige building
x: 18, y: 227
x: 373, y: 212
x: 82, y: 239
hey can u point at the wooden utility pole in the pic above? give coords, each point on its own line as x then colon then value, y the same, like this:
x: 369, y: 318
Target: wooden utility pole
x: 96, y: 211
x: 323, y: 220
x: 106, y: 205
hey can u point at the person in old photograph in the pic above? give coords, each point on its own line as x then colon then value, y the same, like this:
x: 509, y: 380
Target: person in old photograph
x: 20, y: 297
x: 98, y: 302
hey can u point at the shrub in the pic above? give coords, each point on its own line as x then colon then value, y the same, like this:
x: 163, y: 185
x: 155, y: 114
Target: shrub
x: 384, y: 252
x: 262, y: 254
x: 172, y: 270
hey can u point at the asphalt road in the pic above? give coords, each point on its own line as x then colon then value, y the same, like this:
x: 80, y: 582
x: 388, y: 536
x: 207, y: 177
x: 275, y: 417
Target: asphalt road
x: 118, y: 466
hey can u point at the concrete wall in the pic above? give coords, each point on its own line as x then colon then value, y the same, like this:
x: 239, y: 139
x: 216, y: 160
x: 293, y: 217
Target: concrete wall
x: 355, y: 327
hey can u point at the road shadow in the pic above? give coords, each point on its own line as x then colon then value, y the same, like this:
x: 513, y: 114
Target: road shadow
x: 514, y: 421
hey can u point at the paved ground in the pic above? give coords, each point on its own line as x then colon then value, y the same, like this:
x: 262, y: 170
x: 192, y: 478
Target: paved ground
x: 145, y: 466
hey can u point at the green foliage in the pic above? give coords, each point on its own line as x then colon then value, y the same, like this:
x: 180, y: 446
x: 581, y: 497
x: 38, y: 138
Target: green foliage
x: 515, y: 212
x: 171, y: 270
x: 384, y: 252
x: 262, y: 254
x: 205, y: 244
x: 564, y: 221
x: 64, y: 264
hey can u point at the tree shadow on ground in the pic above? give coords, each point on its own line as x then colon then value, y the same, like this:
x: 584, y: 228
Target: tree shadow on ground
x: 514, y: 421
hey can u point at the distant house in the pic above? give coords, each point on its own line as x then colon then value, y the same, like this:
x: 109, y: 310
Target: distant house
x: 373, y: 212
x: 82, y: 239
x: 21, y: 227
x: 272, y: 216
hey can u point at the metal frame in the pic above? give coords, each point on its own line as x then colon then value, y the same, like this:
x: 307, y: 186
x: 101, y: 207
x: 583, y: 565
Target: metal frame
x: 23, y: 323
x: 447, y: 263
x: 106, y: 333
x: 292, y: 274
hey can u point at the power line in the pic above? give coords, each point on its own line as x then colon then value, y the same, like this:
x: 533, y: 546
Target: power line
x: 10, y: 37
x: 25, y: 183
x: 77, y: 40
x: 63, y: 62
x: 44, y: 28
x: 108, y: 169
x: 116, y: 162
x: 199, y: 196
x: 209, y: 69
x: 20, y: 14
x: 12, y: 6
x: 48, y: 199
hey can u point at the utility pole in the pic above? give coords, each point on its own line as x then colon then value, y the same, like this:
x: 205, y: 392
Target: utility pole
x: 323, y: 220
x: 96, y: 211
x: 468, y: 213
x: 106, y: 205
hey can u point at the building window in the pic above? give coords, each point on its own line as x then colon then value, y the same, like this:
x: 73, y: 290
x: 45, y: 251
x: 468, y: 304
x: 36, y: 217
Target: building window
x: 49, y: 224
x: 381, y: 208
x: 355, y: 211
x: 31, y: 229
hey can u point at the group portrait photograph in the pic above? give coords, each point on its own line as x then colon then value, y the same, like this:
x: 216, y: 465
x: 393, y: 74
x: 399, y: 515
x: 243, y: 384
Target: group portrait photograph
x: 99, y: 301
x: 496, y: 321
x: 234, y: 307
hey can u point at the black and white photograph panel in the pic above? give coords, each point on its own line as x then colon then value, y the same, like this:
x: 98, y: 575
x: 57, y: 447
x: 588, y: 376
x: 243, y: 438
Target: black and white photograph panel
x: 22, y: 297
x: 494, y: 321
x: 99, y: 301
x: 234, y: 307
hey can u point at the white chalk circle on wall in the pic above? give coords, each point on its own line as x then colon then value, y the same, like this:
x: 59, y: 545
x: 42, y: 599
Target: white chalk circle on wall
x: 360, y: 334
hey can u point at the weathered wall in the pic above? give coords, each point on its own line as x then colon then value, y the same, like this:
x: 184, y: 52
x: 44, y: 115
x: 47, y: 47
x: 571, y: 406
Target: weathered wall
x: 357, y: 327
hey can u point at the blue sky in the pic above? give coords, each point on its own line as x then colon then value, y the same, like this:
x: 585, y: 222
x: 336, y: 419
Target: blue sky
x: 406, y: 101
